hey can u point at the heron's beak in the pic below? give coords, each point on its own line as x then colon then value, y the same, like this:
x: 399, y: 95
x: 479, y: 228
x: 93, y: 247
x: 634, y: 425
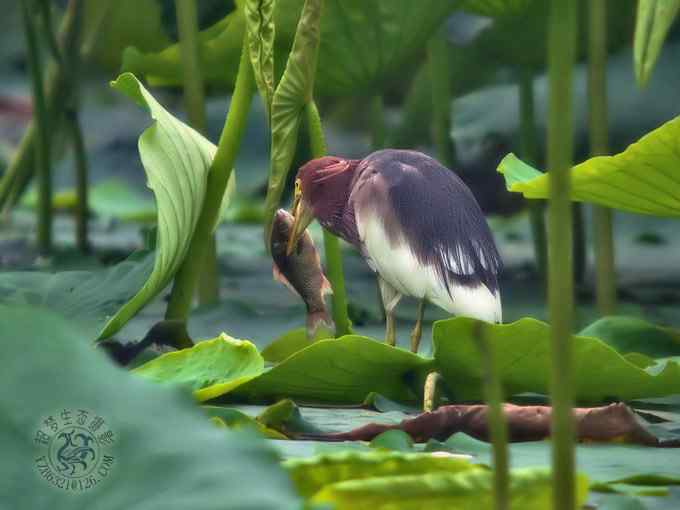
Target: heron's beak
x: 302, y: 217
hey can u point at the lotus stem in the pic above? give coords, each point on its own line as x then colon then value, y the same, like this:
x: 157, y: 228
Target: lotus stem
x: 562, y: 30
x: 42, y: 133
x: 186, y: 279
x: 377, y: 122
x: 498, y: 428
x: 529, y: 150
x: 432, y: 392
x: 20, y: 170
x: 605, y: 277
x: 334, y: 269
x: 440, y: 80
x: 194, y: 103
x: 82, y: 209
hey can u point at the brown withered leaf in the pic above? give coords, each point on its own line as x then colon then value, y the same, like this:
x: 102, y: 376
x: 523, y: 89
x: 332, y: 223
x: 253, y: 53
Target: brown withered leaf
x: 612, y: 423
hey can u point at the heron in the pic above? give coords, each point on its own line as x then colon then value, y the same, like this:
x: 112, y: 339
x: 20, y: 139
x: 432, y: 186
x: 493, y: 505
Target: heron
x: 415, y: 223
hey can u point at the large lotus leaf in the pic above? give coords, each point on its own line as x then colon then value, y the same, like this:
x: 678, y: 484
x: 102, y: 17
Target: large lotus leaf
x: 642, y: 179
x: 219, y: 50
x: 166, y: 453
x: 311, y: 474
x: 510, y: 38
x: 87, y: 298
x: 654, y: 20
x: 495, y: 8
x: 110, y: 26
x: 530, y: 489
x: 522, y: 351
x: 632, y: 334
x: 343, y: 370
x: 362, y: 44
x: 292, y: 93
x: 176, y: 160
x: 210, y: 368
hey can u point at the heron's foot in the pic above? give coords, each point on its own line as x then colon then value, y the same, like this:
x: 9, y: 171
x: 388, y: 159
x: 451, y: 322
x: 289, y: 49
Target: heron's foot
x: 417, y: 332
x: 390, y: 332
x: 416, y: 335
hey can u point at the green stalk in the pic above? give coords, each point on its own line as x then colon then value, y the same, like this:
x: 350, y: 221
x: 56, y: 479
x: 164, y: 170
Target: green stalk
x: 377, y: 122
x: 605, y: 277
x: 42, y: 144
x: 194, y: 102
x: 562, y: 26
x: 529, y: 151
x: 20, y: 169
x: 498, y: 428
x: 82, y: 210
x: 186, y: 279
x: 331, y: 243
x: 440, y: 78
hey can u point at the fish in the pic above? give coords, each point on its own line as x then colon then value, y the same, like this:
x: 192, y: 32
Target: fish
x: 301, y: 272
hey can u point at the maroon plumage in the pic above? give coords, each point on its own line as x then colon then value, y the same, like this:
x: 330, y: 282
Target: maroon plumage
x: 418, y: 200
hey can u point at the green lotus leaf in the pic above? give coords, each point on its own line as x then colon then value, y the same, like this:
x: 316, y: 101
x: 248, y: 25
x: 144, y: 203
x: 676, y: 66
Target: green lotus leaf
x: 343, y: 370
x: 210, y: 368
x: 530, y: 489
x: 312, y: 474
x: 654, y: 20
x: 635, y: 335
x: 176, y: 160
x: 522, y: 352
x: 643, y: 179
x: 164, y: 452
x: 293, y: 92
x: 362, y: 44
x: 495, y: 8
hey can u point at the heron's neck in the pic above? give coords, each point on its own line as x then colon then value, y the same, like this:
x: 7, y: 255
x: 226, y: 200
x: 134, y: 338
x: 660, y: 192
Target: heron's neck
x: 335, y: 214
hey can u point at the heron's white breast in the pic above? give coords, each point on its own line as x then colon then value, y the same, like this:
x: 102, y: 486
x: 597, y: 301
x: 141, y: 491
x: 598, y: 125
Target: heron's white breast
x: 397, y: 265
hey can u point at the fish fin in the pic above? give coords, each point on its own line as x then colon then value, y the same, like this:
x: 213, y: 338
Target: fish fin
x: 326, y: 287
x: 279, y: 277
x: 319, y: 323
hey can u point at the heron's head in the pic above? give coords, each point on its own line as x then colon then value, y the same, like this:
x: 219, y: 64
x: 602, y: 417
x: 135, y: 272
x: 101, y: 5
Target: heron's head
x: 321, y: 191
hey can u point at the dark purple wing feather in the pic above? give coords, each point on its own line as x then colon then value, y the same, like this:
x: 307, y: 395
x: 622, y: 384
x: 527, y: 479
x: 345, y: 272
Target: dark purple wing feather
x: 433, y: 210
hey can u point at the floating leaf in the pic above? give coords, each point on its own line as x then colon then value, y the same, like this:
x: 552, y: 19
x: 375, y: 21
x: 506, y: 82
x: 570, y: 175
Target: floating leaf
x: 654, y: 19
x: 165, y: 451
x: 87, y: 298
x: 530, y: 489
x: 259, y: 15
x: 635, y: 335
x: 293, y: 92
x: 522, y: 351
x: 312, y: 474
x: 210, y: 368
x: 227, y: 417
x: 643, y: 179
x: 343, y: 370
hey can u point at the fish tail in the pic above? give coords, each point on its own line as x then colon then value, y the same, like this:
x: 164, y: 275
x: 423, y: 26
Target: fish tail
x: 319, y: 323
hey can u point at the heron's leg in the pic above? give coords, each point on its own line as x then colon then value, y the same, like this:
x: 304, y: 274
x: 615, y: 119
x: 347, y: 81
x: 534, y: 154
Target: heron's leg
x: 390, y: 298
x: 418, y: 328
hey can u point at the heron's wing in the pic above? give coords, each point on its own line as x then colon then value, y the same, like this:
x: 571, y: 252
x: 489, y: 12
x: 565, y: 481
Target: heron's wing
x: 424, y: 204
